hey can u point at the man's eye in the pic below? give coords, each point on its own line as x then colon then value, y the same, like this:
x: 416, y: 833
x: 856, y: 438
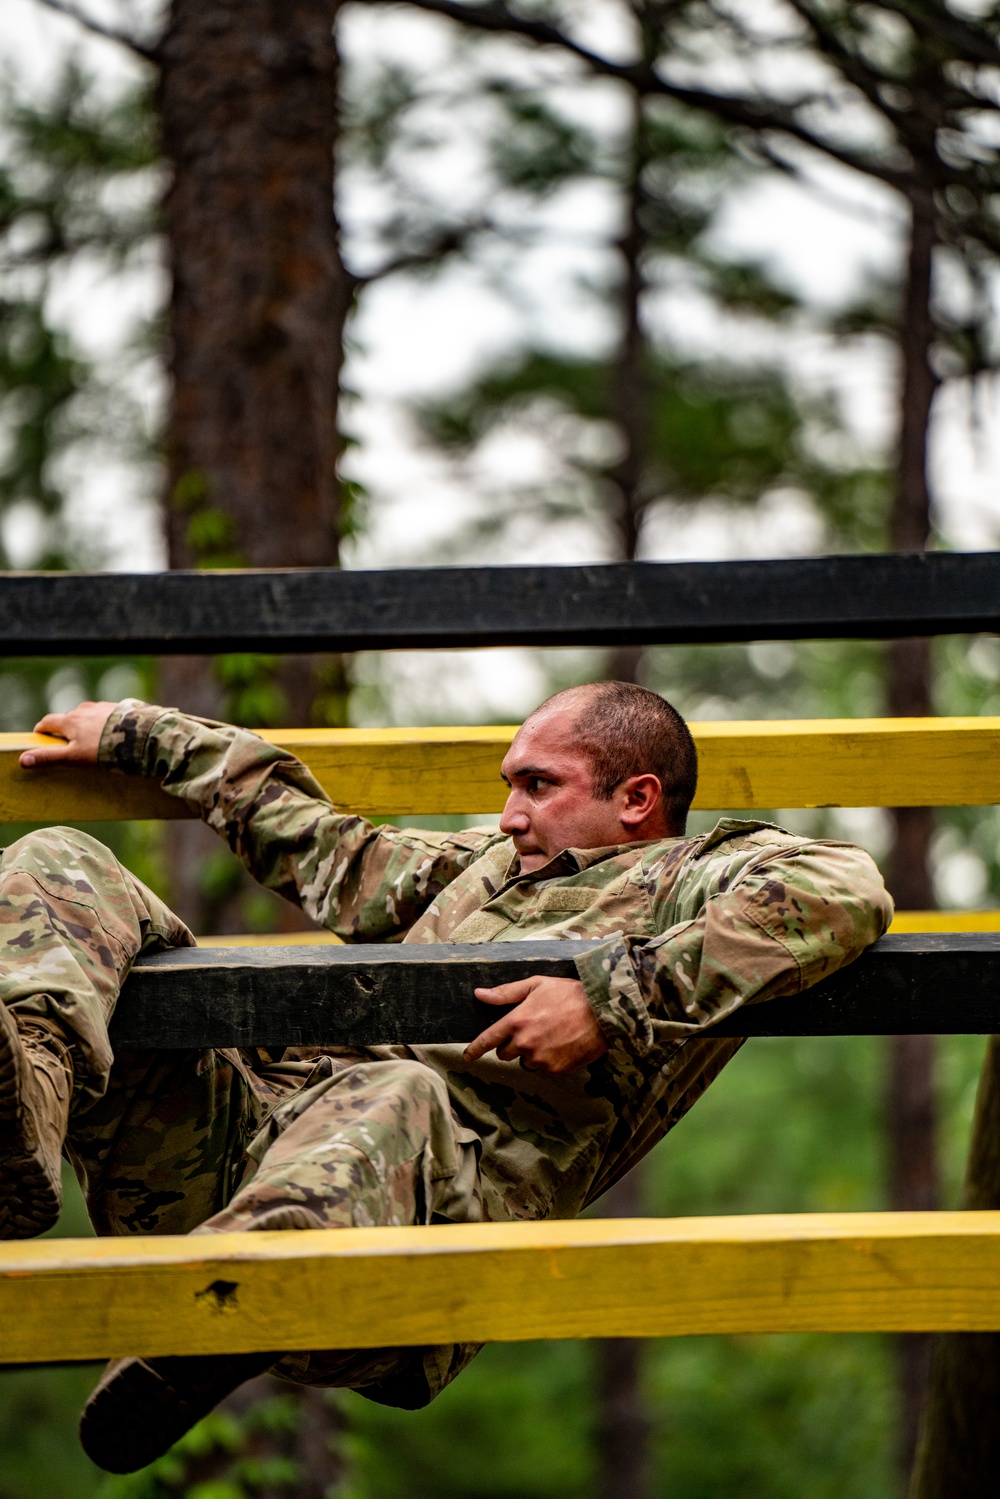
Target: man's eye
x: 535, y: 784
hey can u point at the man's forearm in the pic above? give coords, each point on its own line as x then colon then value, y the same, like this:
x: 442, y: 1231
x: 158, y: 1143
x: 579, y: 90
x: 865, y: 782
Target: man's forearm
x: 260, y: 799
x: 364, y: 883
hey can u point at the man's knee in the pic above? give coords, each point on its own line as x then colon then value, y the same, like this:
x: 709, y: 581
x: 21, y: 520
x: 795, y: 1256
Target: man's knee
x: 75, y: 872
x: 389, y: 1110
x: 400, y: 1108
x: 398, y: 1113
x: 402, y: 1078
x: 374, y: 1143
x: 64, y: 860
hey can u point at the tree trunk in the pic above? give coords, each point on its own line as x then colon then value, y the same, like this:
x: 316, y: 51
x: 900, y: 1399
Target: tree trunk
x: 316, y: 1447
x: 959, y: 1453
x: 249, y: 101
x: 248, y: 95
x: 910, y: 1104
x: 629, y: 386
x: 623, y: 1423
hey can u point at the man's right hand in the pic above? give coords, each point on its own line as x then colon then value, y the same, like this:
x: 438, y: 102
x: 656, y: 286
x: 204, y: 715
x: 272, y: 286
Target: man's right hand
x: 79, y: 732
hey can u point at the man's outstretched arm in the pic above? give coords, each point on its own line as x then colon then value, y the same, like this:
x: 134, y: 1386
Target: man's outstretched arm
x: 280, y: 818
x: 361, y: 882
x: 797, y: 912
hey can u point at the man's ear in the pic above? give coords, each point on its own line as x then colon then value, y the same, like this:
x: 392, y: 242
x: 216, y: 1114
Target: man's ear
x: 641, y: 800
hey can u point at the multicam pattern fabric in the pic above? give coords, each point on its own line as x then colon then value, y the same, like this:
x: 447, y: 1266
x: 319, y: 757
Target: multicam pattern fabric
x: 176, y: 1142
x: 72, y: 920
x: 692, y: 928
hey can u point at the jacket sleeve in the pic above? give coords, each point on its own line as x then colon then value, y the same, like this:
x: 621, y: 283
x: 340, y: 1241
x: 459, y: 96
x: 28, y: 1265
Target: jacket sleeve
x: 793, y: 916
x: 362, y: 882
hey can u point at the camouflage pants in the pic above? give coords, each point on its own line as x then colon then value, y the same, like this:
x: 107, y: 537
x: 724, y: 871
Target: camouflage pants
x: 206, y: 1141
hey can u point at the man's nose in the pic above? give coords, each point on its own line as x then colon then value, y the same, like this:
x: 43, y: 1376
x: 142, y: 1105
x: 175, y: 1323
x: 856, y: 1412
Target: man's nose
x: 514, y: 819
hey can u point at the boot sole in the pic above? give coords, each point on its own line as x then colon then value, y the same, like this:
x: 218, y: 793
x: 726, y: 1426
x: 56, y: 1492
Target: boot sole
x: 135, y: 1414
x: 29, y: 1198
x: 133, y: 1419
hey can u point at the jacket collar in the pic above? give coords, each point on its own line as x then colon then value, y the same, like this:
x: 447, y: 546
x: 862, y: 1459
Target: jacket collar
x: 574, y: 860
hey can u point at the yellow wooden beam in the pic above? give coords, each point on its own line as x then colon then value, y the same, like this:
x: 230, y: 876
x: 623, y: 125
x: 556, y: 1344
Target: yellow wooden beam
x: 270, y: 939
x: 414, y: 772
x: 380, y: 772
x: 834, y: 1272
x: 863, y: 762
x: 944, y: 921
x: 903, y: 921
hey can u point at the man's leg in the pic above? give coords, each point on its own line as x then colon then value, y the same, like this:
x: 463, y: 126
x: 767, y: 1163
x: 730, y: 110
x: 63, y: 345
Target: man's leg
x: 164, y: 1147
x: 362, y: 1144
x: 72, y: 919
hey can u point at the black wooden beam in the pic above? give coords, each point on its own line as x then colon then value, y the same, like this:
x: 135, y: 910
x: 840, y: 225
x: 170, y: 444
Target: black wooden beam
x: 874, y: 596
x: 948, y: 984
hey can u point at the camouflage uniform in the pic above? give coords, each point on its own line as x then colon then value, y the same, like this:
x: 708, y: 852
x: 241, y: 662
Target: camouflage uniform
x: 170, y: 1142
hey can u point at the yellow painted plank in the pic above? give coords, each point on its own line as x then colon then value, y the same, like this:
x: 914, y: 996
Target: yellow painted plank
x: 414, y: 772
x: 380, y: 772
x: 946, y: 921
x: 270, y: 939
x: 838, y: 1272
x: 903, y: 921
x: 875, y: 762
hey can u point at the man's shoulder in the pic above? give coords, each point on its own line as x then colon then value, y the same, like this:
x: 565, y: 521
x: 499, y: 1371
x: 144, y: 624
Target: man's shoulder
x: 692, y: 868
x: 730, y: 837
x: 736, y: 834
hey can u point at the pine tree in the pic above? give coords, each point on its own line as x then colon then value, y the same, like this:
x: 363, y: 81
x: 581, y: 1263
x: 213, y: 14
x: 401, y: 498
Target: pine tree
x: 924, y: 75
x: 641, y: 429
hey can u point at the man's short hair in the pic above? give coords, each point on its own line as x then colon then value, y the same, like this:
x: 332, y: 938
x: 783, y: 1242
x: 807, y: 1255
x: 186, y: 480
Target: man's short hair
x: 627, y: 731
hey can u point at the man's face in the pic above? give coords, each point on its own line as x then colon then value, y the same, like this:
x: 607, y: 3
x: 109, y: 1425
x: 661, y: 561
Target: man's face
x: 552, y: 805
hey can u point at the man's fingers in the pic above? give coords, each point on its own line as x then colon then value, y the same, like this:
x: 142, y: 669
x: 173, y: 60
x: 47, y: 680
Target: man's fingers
x: 53, y: 723
x: 56, y: 724
x: 499, y: 1033
x: 506, y: 994
x: 81, y: 730
x: 494, y: 1035
x: 43, y: 754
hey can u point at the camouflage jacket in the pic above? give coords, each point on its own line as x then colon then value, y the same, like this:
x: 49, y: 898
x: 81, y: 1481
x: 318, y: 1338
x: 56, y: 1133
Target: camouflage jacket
x: 692, y: 928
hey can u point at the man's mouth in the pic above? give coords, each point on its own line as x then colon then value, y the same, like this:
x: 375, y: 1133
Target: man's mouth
x: 530, y: 856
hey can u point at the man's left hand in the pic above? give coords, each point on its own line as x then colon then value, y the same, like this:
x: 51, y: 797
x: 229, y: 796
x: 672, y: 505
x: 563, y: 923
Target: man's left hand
x: 76, y: 736
x: 552, y: 1029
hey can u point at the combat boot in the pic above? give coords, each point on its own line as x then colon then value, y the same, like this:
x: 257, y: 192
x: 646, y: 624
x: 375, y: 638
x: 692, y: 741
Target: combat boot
x: 143, y: 1406
x: 36, y: 1084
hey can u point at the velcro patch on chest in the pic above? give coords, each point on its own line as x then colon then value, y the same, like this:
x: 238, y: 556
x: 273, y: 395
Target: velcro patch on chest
x: 566, y: 898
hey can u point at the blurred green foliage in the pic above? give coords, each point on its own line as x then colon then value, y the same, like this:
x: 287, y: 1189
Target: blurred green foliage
x: 792, y: 1124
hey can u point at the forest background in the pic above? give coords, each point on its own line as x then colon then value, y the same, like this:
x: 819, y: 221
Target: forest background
x: 594, y: 281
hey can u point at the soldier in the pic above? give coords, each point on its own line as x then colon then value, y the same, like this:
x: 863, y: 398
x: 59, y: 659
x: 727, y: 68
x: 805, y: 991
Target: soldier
x: 537, y: 1117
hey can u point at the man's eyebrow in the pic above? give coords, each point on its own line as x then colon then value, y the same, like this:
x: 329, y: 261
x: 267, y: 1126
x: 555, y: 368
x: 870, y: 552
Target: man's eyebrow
x: 529, y: 770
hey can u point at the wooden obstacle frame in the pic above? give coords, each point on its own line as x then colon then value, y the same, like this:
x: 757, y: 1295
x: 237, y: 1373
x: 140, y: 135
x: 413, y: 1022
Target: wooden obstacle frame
x: 68, y: 1300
